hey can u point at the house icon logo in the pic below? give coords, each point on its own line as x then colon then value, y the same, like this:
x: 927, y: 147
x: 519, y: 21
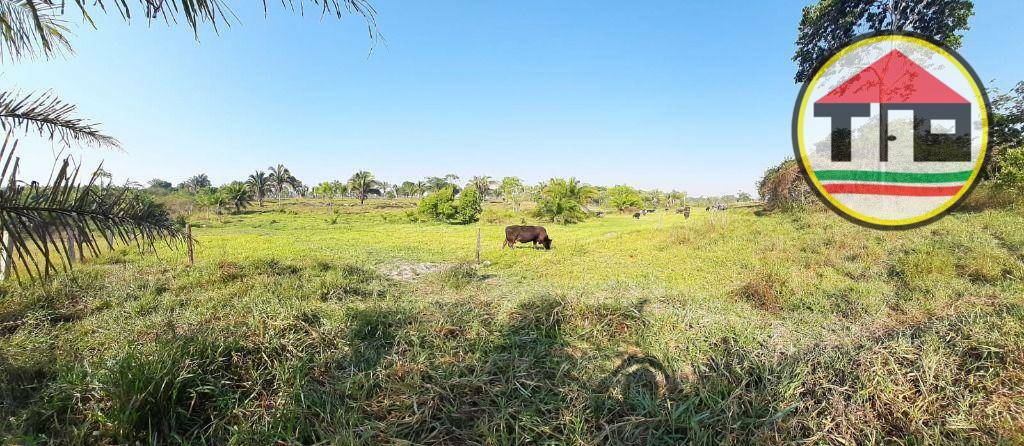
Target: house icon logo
x: 892, y: 131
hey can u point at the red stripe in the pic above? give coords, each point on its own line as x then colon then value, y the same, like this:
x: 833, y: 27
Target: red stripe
x: 892, y: 189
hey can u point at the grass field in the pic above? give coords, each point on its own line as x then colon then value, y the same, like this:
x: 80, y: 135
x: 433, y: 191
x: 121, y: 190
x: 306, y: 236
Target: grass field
x: 302, y: 323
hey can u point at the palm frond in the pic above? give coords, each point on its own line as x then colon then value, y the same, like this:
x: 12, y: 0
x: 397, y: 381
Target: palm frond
x: 217, y: 12
x: 51, y: 117
x: 48, y: 222
x: 31, y: 28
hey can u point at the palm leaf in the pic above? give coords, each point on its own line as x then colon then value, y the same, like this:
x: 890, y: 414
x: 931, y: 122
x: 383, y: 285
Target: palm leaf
x: 30, y: 28
x: 49, y: 116
x: 47, y: 222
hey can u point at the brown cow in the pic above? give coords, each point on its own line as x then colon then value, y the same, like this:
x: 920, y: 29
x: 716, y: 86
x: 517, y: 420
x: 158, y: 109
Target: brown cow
x: 526, y: 234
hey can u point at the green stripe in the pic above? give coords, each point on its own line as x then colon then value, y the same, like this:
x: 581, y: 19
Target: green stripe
x: 892, y: 177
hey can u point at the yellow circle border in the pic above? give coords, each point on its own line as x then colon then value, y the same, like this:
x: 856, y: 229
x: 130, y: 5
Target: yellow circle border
x: 905, y: 222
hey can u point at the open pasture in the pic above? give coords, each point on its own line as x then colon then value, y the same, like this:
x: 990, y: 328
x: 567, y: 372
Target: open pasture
x: 346, y: 324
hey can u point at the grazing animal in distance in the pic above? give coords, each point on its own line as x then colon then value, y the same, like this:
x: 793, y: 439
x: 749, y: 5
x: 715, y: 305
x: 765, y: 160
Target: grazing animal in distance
x: 526, y: 234
x: 686, y: 213
x: 636, y: 215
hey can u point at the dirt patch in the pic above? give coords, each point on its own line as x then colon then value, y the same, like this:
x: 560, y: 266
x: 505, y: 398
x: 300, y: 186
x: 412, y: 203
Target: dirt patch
x: 409, y: 271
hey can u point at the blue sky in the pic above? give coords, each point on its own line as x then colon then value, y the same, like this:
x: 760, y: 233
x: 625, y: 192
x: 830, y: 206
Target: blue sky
x: 647, y: 94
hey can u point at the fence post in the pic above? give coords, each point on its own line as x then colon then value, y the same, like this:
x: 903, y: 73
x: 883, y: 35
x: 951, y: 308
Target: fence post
x: 188, y: 241
x: 478, y: 246
x: 6, y: 258
x: 72, y: 246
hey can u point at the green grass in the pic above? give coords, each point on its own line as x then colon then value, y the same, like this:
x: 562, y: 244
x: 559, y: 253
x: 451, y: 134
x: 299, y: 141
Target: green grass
x: 302, y: 323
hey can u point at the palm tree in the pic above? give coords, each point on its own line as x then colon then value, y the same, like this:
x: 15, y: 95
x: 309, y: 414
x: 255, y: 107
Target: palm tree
x: 484, y: 184
x: 362, y: 184
x: 579, y: 192
x: 280, y: 178
x: 259, y: 184
x: 195, y: 182
x: 237, y: 194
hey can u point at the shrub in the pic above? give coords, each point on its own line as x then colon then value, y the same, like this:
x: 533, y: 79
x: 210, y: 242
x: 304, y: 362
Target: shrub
x: 444, y: 206
x: 1011, y: 171
x: 469, y: 205
x: 783, y: 187
x: 623, y: 197
x: 561, y: 201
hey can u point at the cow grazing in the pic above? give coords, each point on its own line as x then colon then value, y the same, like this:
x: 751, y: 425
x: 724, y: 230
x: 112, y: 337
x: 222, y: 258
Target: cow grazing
x: 636, y: 215
x: 686, y: 213
x: 526, y: 234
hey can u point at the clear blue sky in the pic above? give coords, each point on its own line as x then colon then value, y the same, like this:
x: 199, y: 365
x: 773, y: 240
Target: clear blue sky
x: 645, y: 94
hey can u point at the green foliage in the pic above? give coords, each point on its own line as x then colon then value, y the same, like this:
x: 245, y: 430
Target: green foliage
x: 208, y: 198
x: 623, y: 197
x: 484, y: 184
x: 829, y: 24
x: 784, y: 187
x: 259, y: 184
x: 444, y: 206
x: 1011, y: 171
x: 362, y: 184
x: 469, y: 205
x: 562, y: 201
x: 237, y: 195
x: 196, y: 182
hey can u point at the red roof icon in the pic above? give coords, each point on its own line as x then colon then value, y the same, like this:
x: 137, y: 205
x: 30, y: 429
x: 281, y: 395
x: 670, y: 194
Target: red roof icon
x: 894, y: 78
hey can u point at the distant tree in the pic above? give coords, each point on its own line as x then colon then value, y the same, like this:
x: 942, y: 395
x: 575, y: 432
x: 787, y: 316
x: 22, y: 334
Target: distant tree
x: 439, y: 205
x: 340, y: 188
x: 195, y: 182
x: 209, y: 198
x: 434, y: 184
x: 323, y: 190
x: 828, y: 25
x: 281, y: 179
x: 407, y: 189
x: 469, y: 205
x: 259, y: 184
x: 623, y: 197
x: 743, y: 196
x: 237, y: 194
x: 562, y: 201
x: 483, y: 184
x: 512, y: 191
x: 362, y: 184
x: 157, y: 183
x: 677, y: 198
x: 443, y: 205
x: 784, y: 187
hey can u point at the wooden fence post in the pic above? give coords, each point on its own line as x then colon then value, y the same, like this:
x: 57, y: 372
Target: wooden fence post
x: 478, y: 246
x: 6, y: 258
x: 188, y: 241
x: 72, y: 246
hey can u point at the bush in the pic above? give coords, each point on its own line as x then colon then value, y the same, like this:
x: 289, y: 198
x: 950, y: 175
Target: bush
x: 1011, y: 171
x: 623, y: 197
x: 784, y: 187
x: 561, y: 201
x: 444, y: 206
